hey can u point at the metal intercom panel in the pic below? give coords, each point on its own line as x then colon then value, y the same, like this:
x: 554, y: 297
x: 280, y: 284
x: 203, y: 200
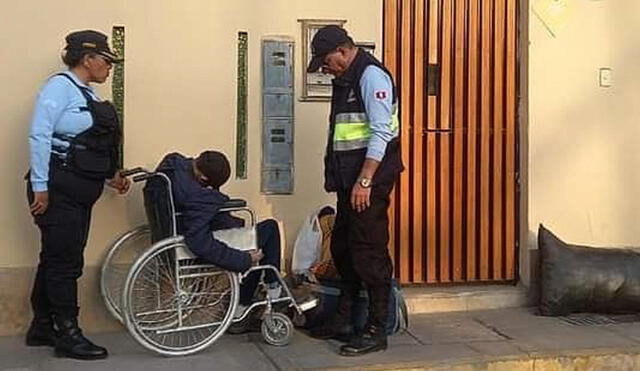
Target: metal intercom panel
x: 277, y: 116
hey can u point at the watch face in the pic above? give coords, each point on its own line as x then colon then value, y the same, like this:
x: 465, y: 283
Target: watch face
x: 364, y: 182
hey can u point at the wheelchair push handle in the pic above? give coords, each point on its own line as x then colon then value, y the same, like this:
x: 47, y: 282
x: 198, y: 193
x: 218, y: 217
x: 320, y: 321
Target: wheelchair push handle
x: 141, y: 177
x: 129, y: 172
x: 139, y: 172
x: 234, y: 202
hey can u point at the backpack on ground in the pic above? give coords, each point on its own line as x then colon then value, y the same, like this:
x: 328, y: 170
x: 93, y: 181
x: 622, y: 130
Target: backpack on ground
x: 328, y: 291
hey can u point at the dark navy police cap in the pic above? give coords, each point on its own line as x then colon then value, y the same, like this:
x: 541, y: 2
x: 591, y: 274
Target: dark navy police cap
x: 94, y: 41
x: 326, y: 40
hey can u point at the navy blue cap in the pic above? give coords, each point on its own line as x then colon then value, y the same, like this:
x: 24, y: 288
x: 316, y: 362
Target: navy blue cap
x: 326, y: 40
x: 93, y: 41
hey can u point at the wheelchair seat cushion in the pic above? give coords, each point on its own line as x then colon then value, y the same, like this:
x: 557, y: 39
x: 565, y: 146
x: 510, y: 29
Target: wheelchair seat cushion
x: 243, y: 238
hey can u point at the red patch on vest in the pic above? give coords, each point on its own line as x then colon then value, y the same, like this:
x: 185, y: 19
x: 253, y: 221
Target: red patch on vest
x: 381, y: 94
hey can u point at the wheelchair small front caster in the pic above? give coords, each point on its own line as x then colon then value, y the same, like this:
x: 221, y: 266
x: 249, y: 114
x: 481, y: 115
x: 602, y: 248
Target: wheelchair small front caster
x: 277, y: 329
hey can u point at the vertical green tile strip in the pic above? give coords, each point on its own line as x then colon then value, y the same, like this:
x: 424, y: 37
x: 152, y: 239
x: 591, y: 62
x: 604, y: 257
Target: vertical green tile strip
x: 117, y: 85
x: 241, y: 116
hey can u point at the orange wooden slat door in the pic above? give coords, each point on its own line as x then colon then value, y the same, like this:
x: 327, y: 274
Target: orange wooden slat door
x: 454, y: 212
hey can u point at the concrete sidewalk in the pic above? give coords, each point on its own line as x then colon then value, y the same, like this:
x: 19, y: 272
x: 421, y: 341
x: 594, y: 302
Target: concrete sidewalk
x: 504, y: 339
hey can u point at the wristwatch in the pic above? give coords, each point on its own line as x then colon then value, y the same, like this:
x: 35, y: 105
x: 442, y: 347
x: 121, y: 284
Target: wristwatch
x: 364, y: 182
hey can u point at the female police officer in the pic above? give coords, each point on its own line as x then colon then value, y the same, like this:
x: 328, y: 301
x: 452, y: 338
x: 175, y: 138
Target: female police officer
x: 74, y: 143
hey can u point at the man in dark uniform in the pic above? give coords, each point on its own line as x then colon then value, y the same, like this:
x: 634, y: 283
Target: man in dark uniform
x: 362, y: 162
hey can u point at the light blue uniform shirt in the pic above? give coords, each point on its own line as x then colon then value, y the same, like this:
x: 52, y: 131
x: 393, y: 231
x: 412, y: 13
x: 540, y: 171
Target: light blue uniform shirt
x: 376, y: 89
x: 57, y: 110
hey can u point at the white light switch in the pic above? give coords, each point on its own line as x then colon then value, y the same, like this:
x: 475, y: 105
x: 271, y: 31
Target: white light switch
x: 606, y: 77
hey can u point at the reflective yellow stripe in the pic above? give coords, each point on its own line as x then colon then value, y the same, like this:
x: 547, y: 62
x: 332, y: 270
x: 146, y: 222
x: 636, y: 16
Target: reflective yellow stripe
x: 351, y: 131
x: 395, y: 122
x: 348, y: 145
x: 359, y: 130
x: 352, y: 117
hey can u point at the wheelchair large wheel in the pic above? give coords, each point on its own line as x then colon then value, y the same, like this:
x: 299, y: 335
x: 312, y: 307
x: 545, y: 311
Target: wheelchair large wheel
x: 121, y: 255
x: 177, y: 306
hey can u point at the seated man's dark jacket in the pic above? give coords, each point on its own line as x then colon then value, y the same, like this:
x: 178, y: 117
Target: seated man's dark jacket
x: 199, y: 207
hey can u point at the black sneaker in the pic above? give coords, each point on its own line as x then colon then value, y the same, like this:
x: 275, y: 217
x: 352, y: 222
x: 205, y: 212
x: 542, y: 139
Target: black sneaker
x: 244, y: 326
x: 250, y: 323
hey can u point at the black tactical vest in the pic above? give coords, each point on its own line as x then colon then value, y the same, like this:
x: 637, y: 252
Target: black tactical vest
x: 94, y: 153
x: 343, y: 165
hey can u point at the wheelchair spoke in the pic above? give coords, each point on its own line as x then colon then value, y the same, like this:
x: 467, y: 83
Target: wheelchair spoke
x: 122, y: 254
x: 156, y: 296
x: 177, y: 308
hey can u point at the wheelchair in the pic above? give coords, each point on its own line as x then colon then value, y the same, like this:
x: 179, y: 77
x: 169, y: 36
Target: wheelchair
x: 171, y: 302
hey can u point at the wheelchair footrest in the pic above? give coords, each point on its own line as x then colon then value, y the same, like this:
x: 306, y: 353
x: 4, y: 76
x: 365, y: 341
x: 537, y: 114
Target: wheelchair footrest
x: 309, y: 304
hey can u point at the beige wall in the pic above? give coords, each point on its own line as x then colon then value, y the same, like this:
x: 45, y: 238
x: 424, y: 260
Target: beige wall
x: 180, y: 96
x: 583, y: 154
x: 578, y: 141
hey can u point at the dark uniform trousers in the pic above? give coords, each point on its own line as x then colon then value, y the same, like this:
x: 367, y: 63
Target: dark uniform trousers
x: 268, y: 235
x: 64, y: 231
x: 359, y: 250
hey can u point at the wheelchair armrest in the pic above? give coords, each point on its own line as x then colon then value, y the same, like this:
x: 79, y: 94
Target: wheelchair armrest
x: 234, y: 203
x: 238, y: 205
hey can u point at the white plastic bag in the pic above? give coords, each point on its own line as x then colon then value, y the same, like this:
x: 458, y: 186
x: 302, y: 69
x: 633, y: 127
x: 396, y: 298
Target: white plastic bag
x: 306, y: 249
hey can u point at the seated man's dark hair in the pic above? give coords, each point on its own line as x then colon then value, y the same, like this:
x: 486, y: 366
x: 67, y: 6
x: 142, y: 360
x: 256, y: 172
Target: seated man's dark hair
x: 215, y: 166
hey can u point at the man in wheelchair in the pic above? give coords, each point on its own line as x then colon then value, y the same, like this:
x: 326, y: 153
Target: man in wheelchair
x: 197, y: 197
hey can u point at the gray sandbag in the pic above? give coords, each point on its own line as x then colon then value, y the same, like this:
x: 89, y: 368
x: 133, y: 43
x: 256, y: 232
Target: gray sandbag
x: 586, y: 279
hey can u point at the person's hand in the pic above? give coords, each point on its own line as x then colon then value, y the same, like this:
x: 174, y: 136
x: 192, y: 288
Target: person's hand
x: 360, y: 198
x: 119, y: 183
x: 40, y: 203
x: 256, y: 256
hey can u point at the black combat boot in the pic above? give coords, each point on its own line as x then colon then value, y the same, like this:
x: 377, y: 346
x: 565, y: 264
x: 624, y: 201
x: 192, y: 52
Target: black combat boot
x: 72, y: 344
x: 372, y: 340
x: 41, y: 333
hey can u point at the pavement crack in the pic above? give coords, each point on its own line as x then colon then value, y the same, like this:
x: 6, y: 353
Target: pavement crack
x: 415, y: 337
x: 493, y: 328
